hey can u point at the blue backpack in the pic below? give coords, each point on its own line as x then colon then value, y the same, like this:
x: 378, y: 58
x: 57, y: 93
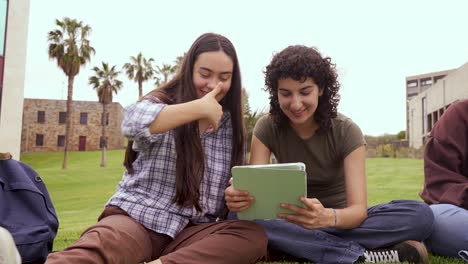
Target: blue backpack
x: 27, y: 211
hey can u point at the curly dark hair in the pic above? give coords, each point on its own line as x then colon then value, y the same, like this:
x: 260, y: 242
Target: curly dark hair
x: 299, y: 63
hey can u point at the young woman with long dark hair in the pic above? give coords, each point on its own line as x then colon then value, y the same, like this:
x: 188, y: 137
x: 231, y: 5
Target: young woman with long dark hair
x: 185, y: 137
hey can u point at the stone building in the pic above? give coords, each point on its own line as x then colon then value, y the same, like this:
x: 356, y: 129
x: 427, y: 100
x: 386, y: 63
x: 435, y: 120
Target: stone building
x: 44, y: 126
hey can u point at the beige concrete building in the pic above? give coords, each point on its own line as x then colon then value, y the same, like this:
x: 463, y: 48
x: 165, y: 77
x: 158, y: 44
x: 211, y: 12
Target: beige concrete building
x: 430, y: 95
x: 418, y: 84
x: 44, y: 126
x: 14, y: 16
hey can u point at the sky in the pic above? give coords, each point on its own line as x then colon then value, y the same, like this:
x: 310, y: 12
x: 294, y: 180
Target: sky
x: 374, y: 44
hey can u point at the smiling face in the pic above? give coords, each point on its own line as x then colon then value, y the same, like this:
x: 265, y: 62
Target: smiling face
x: 209, y: 69
x: 298, y: 101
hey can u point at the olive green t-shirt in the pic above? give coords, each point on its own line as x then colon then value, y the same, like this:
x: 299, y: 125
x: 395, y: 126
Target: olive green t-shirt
x: 323, y: 154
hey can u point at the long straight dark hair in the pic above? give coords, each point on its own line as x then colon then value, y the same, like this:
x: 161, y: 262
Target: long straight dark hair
x: 190, y: 165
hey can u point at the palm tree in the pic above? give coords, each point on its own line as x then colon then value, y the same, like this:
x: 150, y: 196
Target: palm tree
x: 70, y: 48
x: 178, y: 61
x: 250, y: 118
x: 245, y: 102
x: 139, y: 70
x: 105, y: 83
x: 166, y: 71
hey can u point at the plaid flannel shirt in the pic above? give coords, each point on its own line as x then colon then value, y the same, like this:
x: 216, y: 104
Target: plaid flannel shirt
x: 148, y: 195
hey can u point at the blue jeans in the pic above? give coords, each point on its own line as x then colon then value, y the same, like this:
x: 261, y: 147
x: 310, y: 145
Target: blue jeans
x: 450, y: 234
x: 386, y: 225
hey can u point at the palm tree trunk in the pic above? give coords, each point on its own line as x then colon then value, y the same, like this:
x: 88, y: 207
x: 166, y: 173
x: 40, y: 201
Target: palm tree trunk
x: 68, y: 120
x: 103, y: 138
x: 140, y: 89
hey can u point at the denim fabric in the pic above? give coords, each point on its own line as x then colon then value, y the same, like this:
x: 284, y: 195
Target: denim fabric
x: 450, y: 234
x: 387, y: 224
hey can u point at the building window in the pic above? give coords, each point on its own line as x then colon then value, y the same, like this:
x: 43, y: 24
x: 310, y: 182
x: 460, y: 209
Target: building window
x: 60, y: 140
x: 62, y: 117
x: 426, y: 81
x: 413, y: 83
x: 429, y: 122
x: 39, y: 140
x: 83, y: 118
x: 435, y: 117
x: 424, y: 114
x: 441, y: 112
x: 412, y: 90
x: 107, y: 119
x: 40, y: 116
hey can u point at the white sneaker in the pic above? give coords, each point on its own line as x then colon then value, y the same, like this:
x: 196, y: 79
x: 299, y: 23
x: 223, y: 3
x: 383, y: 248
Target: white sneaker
x: 8, y: 252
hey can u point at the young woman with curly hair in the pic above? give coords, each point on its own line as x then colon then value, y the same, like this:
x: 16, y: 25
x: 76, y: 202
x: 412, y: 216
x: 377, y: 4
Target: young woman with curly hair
x: 334, y: 225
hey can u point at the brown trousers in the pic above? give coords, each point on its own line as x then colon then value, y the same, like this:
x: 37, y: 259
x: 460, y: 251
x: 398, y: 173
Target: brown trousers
x: 118, y: 238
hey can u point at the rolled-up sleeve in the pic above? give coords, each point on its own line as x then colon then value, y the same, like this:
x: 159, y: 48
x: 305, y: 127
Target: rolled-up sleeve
x: 136, y: 121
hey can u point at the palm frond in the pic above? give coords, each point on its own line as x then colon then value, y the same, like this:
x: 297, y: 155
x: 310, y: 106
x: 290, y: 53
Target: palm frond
x: 69, y: 46
x: 139, y: 69
x: 105, y: 82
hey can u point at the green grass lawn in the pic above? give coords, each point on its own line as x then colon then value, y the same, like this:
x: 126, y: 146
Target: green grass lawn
x: 80, y: 192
